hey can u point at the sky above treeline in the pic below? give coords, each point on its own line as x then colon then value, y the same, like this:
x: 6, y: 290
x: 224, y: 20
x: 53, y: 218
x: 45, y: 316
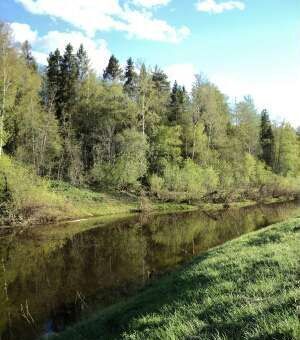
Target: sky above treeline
x: 246, y: 47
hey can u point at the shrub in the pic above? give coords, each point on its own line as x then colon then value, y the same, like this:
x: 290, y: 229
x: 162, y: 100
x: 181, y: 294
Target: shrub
x: 29, y: 195
x: 156, y: 185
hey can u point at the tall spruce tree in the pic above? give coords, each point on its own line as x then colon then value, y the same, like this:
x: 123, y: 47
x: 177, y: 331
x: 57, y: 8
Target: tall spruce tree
x: 82, y: 63
x: 68, y: 83
x: 130, y: 78
x: 52, y: 82
x: 160, y: 80
x: 113, y: 70
x: 161, y: 89
x: 177, y: 101
x: 266, y: 138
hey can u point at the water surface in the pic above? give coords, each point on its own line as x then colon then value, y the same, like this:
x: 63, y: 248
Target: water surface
x: 53, y: 276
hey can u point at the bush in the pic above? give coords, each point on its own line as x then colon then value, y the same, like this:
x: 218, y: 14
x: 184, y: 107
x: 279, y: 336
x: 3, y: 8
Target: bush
x: 101, y: 175
x: 188, y: 182
x: 156, y: 185
x: 129, y: 166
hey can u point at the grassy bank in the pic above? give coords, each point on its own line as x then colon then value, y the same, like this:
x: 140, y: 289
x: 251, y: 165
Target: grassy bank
x: 26, y: 198
x: 248, y: 288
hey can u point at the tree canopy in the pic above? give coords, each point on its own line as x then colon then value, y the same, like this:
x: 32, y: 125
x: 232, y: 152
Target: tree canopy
x: 132, y: 128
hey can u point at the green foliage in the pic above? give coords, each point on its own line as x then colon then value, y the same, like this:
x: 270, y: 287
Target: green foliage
x: 166, y: 147
x: 130, y: 164
x: 27, y: 54
x: 82, y: 63
x: 178, y: 106
x: 68, y: 124
x: 130, y: 84
x: 30, y: 197
x: 287, y: 151
x: 209, y: 107
x: 146, y: 95
x: 188, y: 182
x: 11, y: 71
x: 156, y: 184
x: 198, y: 181
x: 266, y: 138
x: 246, y: 123
x: 113, y: 70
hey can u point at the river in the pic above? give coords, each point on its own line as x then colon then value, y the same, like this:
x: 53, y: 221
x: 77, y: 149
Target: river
x: 53, y: 276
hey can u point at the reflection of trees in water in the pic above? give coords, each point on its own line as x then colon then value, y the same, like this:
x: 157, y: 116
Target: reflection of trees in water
x: 61, y: 278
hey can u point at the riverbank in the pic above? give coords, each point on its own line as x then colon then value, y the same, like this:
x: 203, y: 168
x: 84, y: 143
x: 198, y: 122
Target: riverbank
x: 246, y: 289
x: 27, y: 199
x: 65, y: 202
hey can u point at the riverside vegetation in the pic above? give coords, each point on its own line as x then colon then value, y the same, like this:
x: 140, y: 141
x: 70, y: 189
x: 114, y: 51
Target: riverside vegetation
x: 74, y: 143
x: 63, y: 126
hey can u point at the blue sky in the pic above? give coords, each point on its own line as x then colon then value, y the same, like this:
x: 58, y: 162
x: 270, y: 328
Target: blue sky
x: 244, y: 46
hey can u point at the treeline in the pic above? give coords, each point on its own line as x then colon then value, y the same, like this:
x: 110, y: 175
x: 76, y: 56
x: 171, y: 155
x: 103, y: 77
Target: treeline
x: 130, y: 129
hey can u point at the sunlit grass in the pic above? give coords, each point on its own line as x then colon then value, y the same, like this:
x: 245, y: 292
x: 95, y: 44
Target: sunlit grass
x: 248, y: 288
x: 34, y: 200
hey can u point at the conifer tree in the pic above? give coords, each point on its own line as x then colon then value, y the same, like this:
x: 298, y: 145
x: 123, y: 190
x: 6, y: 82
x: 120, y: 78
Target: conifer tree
x: 176, y: 101
x: 82, y: 63
x: 27, y: 54
x: 52, y: 86
x: 161, y: 97
x: 113, y: 70
x: 68, y: 83
x: 130, y: 78
x: 266, y: 138
x: 160, y: 80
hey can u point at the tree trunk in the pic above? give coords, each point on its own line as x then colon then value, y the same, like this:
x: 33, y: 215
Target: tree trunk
x: 194, y: 141
x: 143, y: 114
x: 3, y: 104
x: 1, y: 133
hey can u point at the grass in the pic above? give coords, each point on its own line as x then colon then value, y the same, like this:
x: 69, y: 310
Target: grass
x: 26, y: 198
x: 248, y: 288
x: 88, y: 203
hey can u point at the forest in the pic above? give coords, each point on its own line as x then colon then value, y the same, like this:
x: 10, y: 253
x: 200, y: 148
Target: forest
x: 129, y: 129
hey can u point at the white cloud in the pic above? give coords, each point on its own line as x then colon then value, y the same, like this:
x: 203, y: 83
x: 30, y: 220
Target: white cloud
x: 22, y: 32
x: 142, y: 25
x: 278, y: 96
x: 97, y: 49
x: 40, y: 57
x: 150, y: 3
x: 89, y: 15
x: 211, y: 6
x: 184, y: 74
x: 97, y: 15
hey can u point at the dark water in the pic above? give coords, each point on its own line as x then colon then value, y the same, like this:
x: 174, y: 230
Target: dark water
x: 51, y: 277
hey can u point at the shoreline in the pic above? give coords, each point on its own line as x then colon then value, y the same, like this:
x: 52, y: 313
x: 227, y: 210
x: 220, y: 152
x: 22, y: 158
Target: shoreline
x: 156, y: 208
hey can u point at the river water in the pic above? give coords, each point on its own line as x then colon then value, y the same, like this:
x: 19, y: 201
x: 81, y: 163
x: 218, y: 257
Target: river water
x: 53, y: 276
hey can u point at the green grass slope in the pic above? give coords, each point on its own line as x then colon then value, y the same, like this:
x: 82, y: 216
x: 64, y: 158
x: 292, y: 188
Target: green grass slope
x: 248, y: 288
x: 26, y: 198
